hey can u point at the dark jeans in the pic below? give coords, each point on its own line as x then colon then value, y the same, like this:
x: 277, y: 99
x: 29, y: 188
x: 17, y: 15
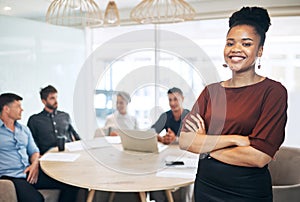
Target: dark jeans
x: 27, y: 192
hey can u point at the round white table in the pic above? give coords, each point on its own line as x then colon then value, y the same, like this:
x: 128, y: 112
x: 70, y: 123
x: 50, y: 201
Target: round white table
x: 106, y: 167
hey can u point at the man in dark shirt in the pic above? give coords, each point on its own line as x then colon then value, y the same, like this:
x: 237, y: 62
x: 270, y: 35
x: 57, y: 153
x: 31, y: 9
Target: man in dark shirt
x: 171, y: 120
x: 50, y: 123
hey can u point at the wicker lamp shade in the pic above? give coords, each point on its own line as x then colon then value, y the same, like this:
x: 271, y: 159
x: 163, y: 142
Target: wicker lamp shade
x: 162, y: 11
x: 111, y: 15
x: 75, y: 13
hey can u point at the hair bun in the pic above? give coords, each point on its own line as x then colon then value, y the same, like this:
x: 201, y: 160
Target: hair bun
x: 256, y: 15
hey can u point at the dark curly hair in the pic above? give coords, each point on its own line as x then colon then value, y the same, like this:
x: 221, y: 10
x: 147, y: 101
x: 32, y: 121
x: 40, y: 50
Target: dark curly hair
x: 256, y: 17
x: 46, y: 91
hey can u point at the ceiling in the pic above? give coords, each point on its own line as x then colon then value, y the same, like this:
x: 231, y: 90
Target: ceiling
x: 205, y: 9
x: 36, y: 9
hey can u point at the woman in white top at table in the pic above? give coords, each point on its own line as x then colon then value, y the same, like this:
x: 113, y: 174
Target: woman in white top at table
x: 120, y: 119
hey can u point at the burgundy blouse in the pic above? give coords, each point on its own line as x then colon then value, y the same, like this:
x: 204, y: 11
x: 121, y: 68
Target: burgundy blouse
x: 258, y: 111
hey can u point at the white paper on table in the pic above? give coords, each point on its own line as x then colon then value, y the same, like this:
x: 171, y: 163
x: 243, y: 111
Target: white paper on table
x: 66, y: 157
x: 74, y: 146
x: 100, y: 142
x: 113, y: 139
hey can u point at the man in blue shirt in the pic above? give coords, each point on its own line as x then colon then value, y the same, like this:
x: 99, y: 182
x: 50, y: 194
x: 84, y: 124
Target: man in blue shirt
x: 19, y: 156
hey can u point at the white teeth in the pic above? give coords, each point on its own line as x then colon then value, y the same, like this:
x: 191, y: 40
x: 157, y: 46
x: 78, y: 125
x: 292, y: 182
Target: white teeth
x: 237, y: 58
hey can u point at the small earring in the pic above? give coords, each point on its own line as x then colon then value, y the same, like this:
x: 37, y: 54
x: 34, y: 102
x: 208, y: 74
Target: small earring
x: 258, y: 66
x: 225, y: 65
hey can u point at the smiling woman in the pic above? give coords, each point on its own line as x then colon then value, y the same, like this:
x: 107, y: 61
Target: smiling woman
x: 242, y: 48
x: 241, y: 132
x: 244, y: 44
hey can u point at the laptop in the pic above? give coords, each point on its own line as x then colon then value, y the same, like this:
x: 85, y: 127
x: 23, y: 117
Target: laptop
x: 140, y: 140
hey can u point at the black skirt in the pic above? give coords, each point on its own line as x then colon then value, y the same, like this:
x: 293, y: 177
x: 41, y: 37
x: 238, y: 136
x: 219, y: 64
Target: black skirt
x: 221, y: 182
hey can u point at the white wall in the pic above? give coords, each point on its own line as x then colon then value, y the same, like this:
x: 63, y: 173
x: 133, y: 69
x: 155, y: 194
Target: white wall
x: 34, y: 54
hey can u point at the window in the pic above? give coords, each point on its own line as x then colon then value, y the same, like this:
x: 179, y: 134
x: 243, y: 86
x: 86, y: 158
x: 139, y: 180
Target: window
x: 280, y: 61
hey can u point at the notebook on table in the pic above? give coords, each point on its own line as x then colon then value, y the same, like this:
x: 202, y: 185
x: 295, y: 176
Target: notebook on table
x: 140, y: 140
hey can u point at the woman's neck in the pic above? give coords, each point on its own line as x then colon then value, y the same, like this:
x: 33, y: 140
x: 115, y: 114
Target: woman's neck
x: 240, y: 80
x: 123, y: 113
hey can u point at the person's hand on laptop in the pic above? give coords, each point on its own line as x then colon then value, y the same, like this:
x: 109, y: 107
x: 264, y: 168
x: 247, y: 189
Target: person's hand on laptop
x: 113, y: 133
x: 169, y: 137
x: 160, y: 138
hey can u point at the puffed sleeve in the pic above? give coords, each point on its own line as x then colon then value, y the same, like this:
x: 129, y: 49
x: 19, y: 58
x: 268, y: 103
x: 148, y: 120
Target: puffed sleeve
x: 269, y: 132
